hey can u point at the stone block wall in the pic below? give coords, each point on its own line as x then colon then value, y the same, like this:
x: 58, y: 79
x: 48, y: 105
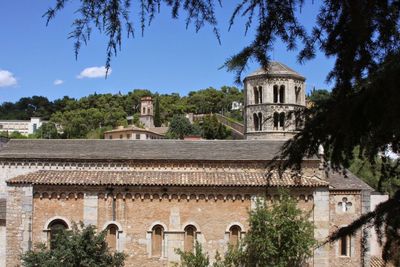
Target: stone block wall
x: 135, y: 210
x: 341, y: 217
x: 18, y: 223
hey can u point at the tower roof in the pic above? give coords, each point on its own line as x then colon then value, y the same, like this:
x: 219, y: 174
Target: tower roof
x: 277, y: 69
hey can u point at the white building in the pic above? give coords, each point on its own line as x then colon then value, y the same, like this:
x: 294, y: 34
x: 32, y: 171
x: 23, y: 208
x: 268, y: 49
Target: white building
x: 24, y: 127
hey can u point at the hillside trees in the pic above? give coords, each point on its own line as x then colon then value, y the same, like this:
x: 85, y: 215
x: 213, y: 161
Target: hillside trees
x: 180, y: 127
x: 362, y: 36
x: 89, y: 116
x: 211, y: 128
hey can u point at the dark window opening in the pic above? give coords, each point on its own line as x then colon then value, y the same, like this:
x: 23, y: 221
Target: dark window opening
x: 282, y: 94
x: 282, y: 120
x: 275, y: 93
x: 190, y: 238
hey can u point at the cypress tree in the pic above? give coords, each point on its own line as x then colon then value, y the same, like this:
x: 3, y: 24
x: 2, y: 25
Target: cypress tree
x: 157, y: 116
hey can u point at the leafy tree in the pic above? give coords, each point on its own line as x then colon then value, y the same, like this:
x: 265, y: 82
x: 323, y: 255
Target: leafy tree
x: 75, y: 248
x: 47, y: 131
x: 132, y: 100
x: 197, y: 258
x: 211, y: 128
x: 363, y: 37
x: 98, y: 133
x: 157, y: 115
x: 319, y: 95
x: 180, y: 127
x: 278, y: 236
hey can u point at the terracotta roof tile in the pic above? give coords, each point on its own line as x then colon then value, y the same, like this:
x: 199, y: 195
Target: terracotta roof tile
x: 345, y: 180
x: 166, y: 178
x: 378, y: 262
x: 277, y: 69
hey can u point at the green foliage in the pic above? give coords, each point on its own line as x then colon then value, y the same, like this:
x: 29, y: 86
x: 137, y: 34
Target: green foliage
x: 319, y: 96
x: 230, y: 259
x: 47, y: 131
x: 278, y: 236
x: 98, y: 133
x: 180, y: 127
x: 15, y: 135
x: 362, y: 37
x: 75, y: 248
x: 157, y: 114
x: 27, y: 107
x: 86, y: 117
x: 211, y: 100
x: 197, y: 258
x: 211, y: 128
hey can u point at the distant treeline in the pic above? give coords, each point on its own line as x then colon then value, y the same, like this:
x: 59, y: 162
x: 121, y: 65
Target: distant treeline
x: 89, y: 116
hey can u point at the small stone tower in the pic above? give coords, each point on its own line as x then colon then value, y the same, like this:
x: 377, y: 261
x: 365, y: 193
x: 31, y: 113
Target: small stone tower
x: 146, y: 111
x: 272, y: 99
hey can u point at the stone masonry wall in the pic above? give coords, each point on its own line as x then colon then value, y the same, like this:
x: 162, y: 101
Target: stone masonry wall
x: 134, y: 214
x: 340, y: 218
x: 19, y: 223
x: 137, y: 209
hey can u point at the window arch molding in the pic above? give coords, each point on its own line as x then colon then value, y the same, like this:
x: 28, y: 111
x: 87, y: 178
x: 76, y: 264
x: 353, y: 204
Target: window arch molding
x: 56, y: 218
x: 108, y: 223
x: 150, y: 229
x: 156, y: 246
x: 113, y: 238
x: 228, y: 228
x: 190, y: 223
x: 190, y: 237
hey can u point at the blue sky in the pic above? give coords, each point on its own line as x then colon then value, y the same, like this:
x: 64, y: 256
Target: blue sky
x: 39, y: 60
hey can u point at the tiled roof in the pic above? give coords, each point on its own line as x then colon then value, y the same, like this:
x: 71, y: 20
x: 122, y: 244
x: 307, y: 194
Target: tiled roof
x: 204, y: 150
x: 159, y: 178
x: 345, y: 180
x: 3, y: 141
x: 159, y: 130
x: 378, y: 262
x: 277, y: 69
x: 133, y: 128
x: 128, y: 128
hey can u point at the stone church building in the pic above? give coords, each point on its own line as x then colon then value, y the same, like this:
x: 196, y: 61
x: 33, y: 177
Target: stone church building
x: 155, y: 196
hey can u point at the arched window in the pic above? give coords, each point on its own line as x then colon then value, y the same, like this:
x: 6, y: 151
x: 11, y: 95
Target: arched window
x: 234, y: 235
x: 190, y: 238
x: 276, y: 120
x: 256, y: 122
x: 157, y: 237
x: 112, y: 236
x: 260, y: 95
x: 144, y: 110
x: 256, y: 97
x: 297, y: 91
x: 276, y: 93
x: 282, y: 119
x: 55, y: 227
x: 260, y: 121
x: 297, y: 122
x: 148, y: 111
x: 282, y: 94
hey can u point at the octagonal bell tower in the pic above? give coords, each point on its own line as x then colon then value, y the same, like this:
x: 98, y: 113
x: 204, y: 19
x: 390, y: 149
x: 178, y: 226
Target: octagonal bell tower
x: 272, y: 101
